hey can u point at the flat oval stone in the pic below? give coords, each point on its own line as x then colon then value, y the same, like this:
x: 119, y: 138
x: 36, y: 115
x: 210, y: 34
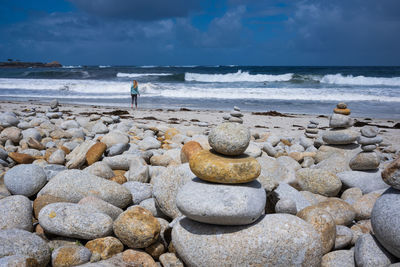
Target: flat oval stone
x: 229, y: 139
x: 341, y: 105
x: 25, y: 179
x: 365, y: 161
x: 21, y: 242
x: 211, y: 167
x: 362, y: 140
x: 73, y: 185
x: 221, y: 204
x: 341, y: 211
x: 340, y: 137
x: 385, y: 220
x: 340, y: 121
x: 73, y: 220
x: 369, y: 131
x: 318, y: 181
x: 343, y: 111
x: 368, y: 148
x: 267, y: 242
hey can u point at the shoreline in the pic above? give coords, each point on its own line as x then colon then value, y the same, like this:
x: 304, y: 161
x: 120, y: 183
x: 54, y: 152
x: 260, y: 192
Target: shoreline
x: 287, y: 125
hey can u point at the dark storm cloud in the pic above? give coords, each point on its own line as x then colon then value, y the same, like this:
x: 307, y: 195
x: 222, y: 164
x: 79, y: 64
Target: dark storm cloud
x: 138, y: 9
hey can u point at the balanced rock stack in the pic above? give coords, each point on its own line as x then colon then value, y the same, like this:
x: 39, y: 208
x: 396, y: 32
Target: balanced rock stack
x: 312, y: 129
x: 224, y: 208
x: 368, y: 159
x: 224, y: 191
x: 235, y: 115
x: 386, y: 213
x: 340, y: 122
x: 53, y: 112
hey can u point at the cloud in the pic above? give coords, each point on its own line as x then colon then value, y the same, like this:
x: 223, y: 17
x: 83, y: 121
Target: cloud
x: 138, y: 9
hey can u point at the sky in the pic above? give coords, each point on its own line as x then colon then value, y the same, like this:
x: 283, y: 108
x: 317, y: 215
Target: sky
x: 194, y: 32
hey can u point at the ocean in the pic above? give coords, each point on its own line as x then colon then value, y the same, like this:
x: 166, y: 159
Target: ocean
x: 368, y: 91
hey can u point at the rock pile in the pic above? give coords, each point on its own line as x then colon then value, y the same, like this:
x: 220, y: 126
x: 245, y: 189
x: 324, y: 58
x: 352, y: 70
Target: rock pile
x: 368, y: 159
x: 234, y: 116
x: 340, y: 122
x: 312, y: 129
x: 224, y: 206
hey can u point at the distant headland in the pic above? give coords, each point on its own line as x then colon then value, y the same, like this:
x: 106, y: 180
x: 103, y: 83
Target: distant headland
x: 20, y: 64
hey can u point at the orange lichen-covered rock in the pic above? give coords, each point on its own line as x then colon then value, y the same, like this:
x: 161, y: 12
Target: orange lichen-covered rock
x: 137, y: 227
x: 105, y: 247
x: 343, y: 111
x: 21, y: 158
x: 95, y: 152
x: 189, y: 149
x: 138, y: 258
x: 216, y: 168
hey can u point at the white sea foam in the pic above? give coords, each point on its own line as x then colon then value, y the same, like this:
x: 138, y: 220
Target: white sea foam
x: 120, y: 89
x: 134, y: 75
x: 359, y: 80
x: 104, y: 66
x: 239, y: 76
x: 72, y: 67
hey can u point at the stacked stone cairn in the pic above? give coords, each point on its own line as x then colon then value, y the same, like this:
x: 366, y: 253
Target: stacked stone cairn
x: 224, y: 207
x: 340, y: 122
x: 235, y: 115
x: 368, y: 159
x: 312, y: 129
x: 53, y: 112
x: 224, y: 174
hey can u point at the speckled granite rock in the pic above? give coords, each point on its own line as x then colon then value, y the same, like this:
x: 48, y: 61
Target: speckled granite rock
x: 229, y: 138
x: 265, y: 243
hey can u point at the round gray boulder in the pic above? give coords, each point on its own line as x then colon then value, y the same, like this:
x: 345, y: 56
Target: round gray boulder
x: 220, y: 203
x: 21, y: 242
x: 229, y: 138
x: 385, y: 220
x: 16, y: 212
x: 76, y: 221
x: 267, y: 242
x: 340, y: 137
x: 25, y: 179
x: 140, y: 191
x: 368, y: 252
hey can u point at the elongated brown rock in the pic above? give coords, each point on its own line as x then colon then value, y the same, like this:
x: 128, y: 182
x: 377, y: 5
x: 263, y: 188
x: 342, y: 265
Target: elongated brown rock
x: 212, y: 167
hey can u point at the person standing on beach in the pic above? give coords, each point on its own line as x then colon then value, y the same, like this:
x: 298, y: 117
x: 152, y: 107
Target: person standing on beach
x: 134, y: 93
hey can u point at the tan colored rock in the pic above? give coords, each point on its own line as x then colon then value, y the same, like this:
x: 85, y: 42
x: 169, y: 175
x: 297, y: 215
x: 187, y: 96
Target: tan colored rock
x: 21, y: 158
x: 33, y: 143
x: 160, y: 160
x: 343, y: 111
x: 189, y: 149
x: 286, y: 142
x: 323, y: 223
x: 77, y: 157
x: 363, y: 206
x: 105, y: 247
x: 120, y: 179
x: 341, y: 211
x: 70, y: 256
x: 95, y: 152
x: 216, y: 168
x: 299, y: 156
x: 155, y: 250
x: 170, y: 260
x: 44, y: 200
x: 391, y: 174
x: 134, y: 258
x: 137, y: 227
x: 317, y: 181
x: 171, y: 132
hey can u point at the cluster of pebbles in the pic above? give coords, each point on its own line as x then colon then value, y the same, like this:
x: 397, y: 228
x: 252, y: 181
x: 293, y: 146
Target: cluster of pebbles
x: 100, y: 190
x: 368, y: 159
x: 234, y: 116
